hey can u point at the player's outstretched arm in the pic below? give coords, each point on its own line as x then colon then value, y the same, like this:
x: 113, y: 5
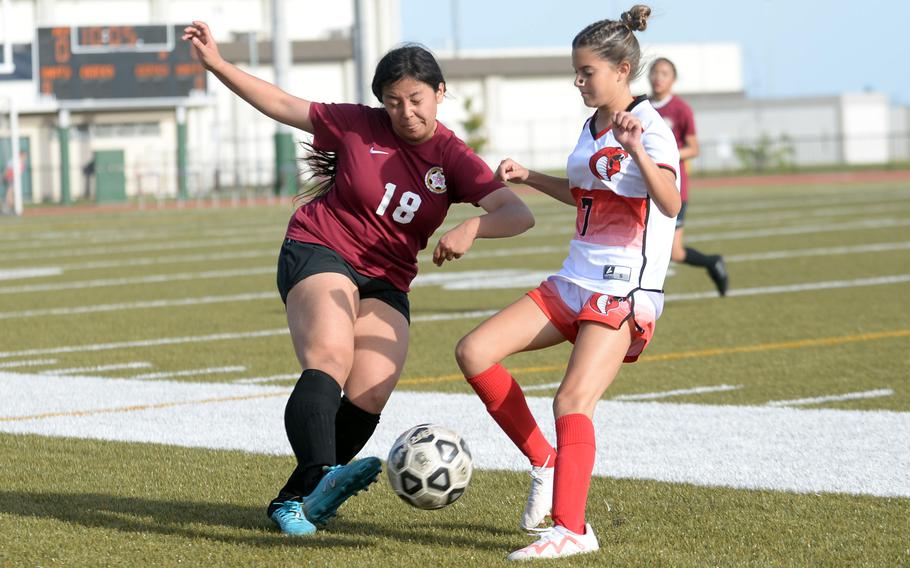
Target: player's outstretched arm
x: 507, y: 216
x: 555, y: 187
x: 266, y: 97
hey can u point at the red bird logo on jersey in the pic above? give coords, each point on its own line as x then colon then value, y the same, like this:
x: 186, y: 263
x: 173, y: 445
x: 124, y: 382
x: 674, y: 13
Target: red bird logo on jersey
x: 607, y: 162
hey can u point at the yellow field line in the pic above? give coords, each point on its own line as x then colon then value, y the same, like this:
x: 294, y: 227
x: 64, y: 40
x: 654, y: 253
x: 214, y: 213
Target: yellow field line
x: 78, y: 413
x: 802, y: 343
x: 821, y: 342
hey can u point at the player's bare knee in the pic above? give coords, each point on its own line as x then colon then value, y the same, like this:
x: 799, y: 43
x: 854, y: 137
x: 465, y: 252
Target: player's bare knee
x: 571, y: 403
x: 471, y: 356
x: 335, y: 363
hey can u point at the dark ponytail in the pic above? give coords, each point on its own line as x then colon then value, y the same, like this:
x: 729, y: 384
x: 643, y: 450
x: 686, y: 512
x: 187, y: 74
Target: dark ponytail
x: 322, y: 168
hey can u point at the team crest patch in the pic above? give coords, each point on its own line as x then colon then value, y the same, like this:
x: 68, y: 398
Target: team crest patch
x: 607, y: 162
x: 435, y: 180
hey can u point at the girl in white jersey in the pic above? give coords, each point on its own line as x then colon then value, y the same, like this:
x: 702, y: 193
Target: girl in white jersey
x: 607, y: 296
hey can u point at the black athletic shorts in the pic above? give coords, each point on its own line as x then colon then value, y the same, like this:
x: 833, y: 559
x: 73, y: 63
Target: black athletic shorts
x: 681, y: 218
x: 298, y: 260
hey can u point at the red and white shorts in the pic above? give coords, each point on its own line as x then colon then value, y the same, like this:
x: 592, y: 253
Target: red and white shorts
x: 566, y: 305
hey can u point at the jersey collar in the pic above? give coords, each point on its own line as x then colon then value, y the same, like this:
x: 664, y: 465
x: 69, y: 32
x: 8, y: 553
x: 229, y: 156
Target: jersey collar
x: 591, y: 122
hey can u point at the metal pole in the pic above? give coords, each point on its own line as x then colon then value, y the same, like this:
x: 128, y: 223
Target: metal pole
x: 359, y: 52
x: 182, y: 189
x: 63, y: 136
x: 285, y: 157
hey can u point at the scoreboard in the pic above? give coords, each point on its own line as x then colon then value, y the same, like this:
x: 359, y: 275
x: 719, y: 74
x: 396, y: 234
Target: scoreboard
x: 116, y: 62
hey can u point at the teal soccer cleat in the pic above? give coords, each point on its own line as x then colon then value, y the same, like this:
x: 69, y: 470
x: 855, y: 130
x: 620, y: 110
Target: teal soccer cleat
x: 290, y: 519
x: 340, y: 483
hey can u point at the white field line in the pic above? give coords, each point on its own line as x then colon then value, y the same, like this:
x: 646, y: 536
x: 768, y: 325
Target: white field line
x: 803, y: 287
x: 147, y: 304
x: 746, y: 447
x: 547, y: 386
x: 490, y: 253
x: 37, y: 272
x: 804, y: 202
x: 189, y: 373
x: 430, y: 317
x: 820, y: 251
x: 33, y: 240
x: 445, y: 316
x: 253, y: 296
x: 851, y: 211
x: 833, y: 398
x: 213, y: 244
x: 152, y: 279
x: 270, y: 379
x: 823, y: 206
x: 99, y: 368
x: 864, y: 224
x: 211, y: 237
x: 143, y: 343
x: 29, y: 363
x: 678, y: 392
x: 270, y: 253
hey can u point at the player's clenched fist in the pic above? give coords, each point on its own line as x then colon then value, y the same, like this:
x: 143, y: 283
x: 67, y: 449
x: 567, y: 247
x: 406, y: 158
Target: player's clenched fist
x: 510, y: 170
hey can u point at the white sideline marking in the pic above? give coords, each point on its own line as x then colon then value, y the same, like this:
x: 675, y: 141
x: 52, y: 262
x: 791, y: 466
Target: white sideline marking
x: 145, y: 247
x: 769, y: 255
x: 821, y: 251
x: 833, y: 398
x: 547, y: 386
x: 154, y: 278
x: 99, y: 368
x: 189, y: 373
x: 144, y: 343
x: 271, y: 379
x: 757, y: 447
x: 679, y: 392
x: 874, y: 223
x: 878, y: 223
x: 270, y: 253
x: 29, y: 363
x: 199, y: 300
x: 804, y: 287
x: 435, y: 317
x: 38, y: 272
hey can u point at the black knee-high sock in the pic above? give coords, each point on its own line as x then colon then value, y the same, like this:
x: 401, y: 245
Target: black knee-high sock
x: 309, y: 419
x: 353, y: 428
x: 696, y: 258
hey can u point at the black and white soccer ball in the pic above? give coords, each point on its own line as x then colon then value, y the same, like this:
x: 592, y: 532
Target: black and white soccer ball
x: 430, y: 466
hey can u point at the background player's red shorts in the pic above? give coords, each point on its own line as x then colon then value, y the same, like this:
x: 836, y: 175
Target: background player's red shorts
x: 566, y: 304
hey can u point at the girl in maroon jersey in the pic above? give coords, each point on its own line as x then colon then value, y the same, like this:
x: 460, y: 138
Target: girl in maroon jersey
x: 350, y: 254
x: 679, y: 117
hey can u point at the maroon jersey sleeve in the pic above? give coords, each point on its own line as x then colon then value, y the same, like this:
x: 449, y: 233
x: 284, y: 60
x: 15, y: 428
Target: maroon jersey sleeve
x: 331, y: 121
x: 471, y: 178
x: 688, y: 120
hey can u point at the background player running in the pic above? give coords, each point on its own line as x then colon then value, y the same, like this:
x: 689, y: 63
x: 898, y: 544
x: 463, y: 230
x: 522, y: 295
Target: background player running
x: 607, y: 296
x: 679, y: 117
x: 350, y: 254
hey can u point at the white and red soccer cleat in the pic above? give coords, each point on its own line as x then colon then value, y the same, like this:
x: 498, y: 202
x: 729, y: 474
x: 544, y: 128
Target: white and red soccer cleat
x: 558, y: 542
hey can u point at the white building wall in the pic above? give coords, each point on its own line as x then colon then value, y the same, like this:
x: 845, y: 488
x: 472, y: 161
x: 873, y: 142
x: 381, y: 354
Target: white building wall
x: 864, y: 127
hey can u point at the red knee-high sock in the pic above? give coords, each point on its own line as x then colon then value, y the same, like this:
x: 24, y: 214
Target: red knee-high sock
x: 507, y: 405
x: 574, y: 464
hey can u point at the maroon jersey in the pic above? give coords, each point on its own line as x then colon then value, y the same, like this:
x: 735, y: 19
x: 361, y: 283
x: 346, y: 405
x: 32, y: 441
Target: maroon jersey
x: 678, y: 116
x: 389, y: 196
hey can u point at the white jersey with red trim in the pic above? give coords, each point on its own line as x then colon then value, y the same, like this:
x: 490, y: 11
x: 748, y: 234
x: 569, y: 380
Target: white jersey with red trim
x: 622, y: 241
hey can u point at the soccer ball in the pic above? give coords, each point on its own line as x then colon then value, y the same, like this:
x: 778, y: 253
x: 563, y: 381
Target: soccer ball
x: 429, y: 466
